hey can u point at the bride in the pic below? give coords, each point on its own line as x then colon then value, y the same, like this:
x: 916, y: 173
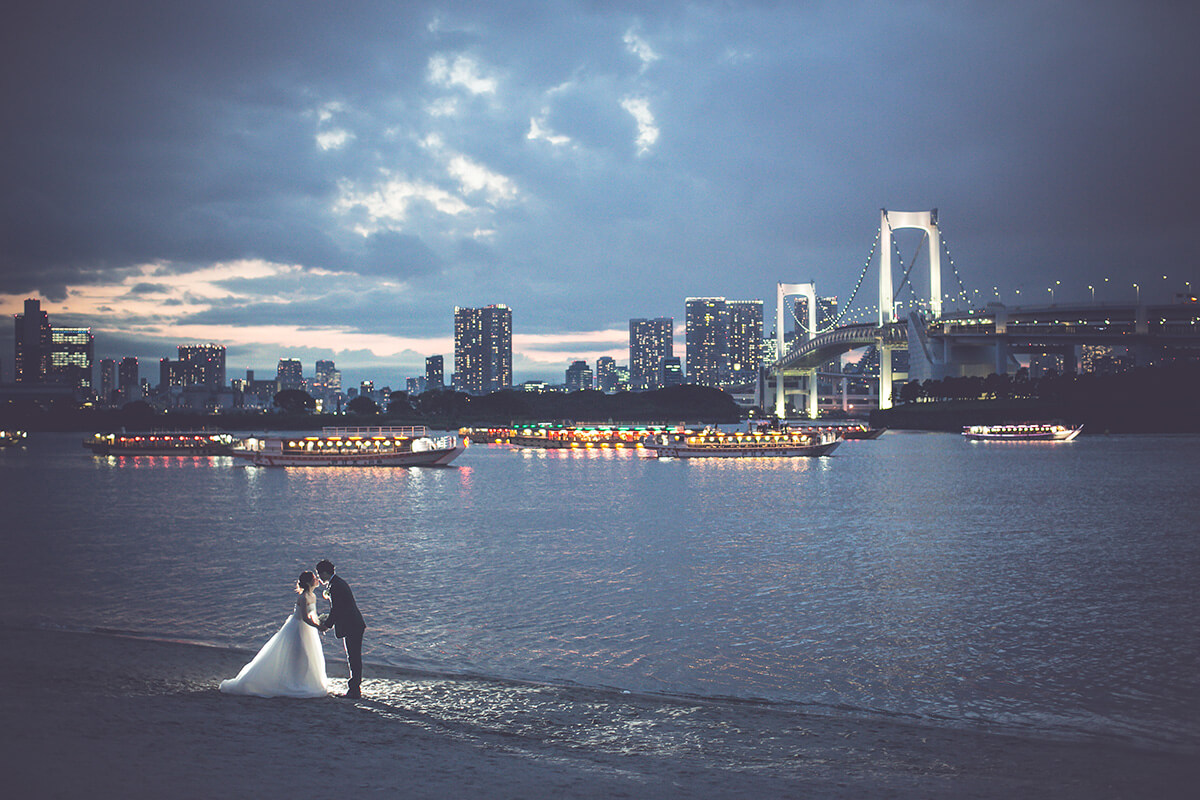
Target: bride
x: 291, y: 663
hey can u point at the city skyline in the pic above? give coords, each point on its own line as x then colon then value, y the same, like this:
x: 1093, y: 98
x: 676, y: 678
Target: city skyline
x: 478, y: 334
x: 189, y: 179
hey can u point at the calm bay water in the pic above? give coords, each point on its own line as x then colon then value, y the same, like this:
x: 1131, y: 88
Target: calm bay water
x: 1050, y: 588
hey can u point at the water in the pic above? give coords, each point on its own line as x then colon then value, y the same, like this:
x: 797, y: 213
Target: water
x: 1047, y: 588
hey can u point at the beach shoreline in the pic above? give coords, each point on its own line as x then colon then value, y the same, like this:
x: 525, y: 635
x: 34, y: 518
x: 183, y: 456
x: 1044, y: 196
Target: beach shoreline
x: 95, y: 715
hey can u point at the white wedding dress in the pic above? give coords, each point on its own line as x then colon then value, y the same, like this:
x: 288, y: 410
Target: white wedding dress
x: 290, y: 664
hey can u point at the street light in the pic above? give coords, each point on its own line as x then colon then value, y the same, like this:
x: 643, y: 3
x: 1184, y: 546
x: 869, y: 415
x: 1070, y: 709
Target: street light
x: 1093, y: 290
x: 1137, y: 290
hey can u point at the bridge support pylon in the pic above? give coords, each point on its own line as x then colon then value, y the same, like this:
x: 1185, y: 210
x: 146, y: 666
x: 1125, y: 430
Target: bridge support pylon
x: 809, y: 292
x: 894, y: 220
x: 885, y: 376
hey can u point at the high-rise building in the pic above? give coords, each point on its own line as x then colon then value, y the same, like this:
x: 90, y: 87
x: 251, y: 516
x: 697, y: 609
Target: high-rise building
x: 203, y: 365
x: 31, y: 345
x: 71, y: 352
x: 435, y: 374
x: 623, y: 378
x: 169, y: 374
x: 483, y: 349
x: 672, y: 372
x: 579, y: 376
x: 650, y: 341
x: 607, y: 378
x: 743, y: 342
x: 290, y: 374
x: 44, y: 354
x: 327, y: 380
x: 724, y: 341
x: 827, y: 313
x: 706, y: 321
x: 128, y: 381
x: 108, y: 379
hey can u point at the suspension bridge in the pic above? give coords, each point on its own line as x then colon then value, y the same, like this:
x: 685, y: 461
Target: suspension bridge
x: 965, y: 342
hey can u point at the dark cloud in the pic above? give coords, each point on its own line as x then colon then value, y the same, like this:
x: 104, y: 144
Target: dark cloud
x: 1055, y: 139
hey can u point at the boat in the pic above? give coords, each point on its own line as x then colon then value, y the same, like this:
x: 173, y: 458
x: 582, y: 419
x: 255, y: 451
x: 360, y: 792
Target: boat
x: 714, y: 443
x: 566, y: 435
x: 10, y: 438
x: 161, y: 443
x: 353, y: 447
x: 859, y: 430
x: 847, y: 429
x: 1022, y: 432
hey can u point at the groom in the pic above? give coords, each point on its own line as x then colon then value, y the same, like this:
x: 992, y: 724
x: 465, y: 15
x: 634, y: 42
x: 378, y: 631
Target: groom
x: 347, y: 624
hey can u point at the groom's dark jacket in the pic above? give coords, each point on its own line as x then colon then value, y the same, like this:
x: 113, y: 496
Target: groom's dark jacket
x: 344, y: 616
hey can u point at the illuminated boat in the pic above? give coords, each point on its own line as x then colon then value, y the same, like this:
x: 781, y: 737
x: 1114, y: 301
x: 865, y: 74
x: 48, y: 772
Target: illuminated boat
x: 557, y: 435
x: 353, y: 447
x: 859, y: 431
x: 847, y: 429
x: 712, y: 443
x: 161, y: 443
x: 10, y: 438
x: 1022, y: 432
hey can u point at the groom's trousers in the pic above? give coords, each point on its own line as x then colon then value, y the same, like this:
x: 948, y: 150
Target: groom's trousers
x: 353, y: 643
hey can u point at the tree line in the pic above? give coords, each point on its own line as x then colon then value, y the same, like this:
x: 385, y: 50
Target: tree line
x: 1144, y: 399
x: 295, y: 410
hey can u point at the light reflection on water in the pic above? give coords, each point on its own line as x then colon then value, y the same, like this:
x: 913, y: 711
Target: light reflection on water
x: 1045, y: 586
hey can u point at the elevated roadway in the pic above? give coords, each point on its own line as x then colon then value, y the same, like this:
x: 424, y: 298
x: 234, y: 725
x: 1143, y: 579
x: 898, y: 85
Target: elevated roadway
x: 981, y: 342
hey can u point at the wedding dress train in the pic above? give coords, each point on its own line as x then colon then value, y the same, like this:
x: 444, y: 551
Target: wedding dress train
x: 290, y: 664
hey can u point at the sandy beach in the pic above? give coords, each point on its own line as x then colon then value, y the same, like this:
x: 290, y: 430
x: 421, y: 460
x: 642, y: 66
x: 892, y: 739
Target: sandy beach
x: 94, y: 715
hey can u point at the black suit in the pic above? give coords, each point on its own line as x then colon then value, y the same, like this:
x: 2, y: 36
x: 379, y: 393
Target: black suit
x: 347, y: 623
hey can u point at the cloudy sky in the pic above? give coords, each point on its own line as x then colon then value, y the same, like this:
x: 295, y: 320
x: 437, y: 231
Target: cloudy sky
x: 328, y: 180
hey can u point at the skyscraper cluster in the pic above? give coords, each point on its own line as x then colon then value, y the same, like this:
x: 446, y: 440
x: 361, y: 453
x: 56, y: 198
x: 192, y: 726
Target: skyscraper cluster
x: 44, y: 354
x: 198, y: 365
x: 724, y: 348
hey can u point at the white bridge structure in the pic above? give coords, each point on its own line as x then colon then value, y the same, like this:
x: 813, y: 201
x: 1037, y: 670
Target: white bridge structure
x: 964, y: 343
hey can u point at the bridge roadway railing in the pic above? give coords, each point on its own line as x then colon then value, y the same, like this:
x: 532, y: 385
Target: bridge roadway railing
x: 1100, y: 324
x: 840, y: 340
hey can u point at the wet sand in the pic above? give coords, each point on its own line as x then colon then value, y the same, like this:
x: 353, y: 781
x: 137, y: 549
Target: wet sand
x: 99, y: 716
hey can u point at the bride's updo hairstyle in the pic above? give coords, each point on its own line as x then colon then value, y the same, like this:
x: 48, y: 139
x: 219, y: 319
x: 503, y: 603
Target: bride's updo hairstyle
x: 305, y: 581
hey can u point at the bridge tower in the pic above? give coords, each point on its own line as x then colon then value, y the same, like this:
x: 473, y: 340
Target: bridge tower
x: 809, y: 292
x: 896, y: 220
x: 890, y: 221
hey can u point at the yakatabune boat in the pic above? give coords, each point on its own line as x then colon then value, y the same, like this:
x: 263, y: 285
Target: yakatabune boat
x: 352, y: 447
x: 712, y: 443
x: 1022, y: 432
x: 557, y: 435
x: 847, y: 429
x: 161, y: 443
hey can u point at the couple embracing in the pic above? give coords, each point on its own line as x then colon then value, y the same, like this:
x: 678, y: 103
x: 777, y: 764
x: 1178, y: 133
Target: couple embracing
x: 291, y: 663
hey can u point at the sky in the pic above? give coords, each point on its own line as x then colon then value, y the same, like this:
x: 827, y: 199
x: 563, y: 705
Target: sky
x: 329, y: 180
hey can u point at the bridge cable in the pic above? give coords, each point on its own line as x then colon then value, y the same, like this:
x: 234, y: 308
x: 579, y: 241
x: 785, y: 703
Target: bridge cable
x: 962, y: 289
x: 803, y: 326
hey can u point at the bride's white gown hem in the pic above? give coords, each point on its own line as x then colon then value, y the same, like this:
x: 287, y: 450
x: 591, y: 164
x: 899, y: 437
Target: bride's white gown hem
x: 290, y: 664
